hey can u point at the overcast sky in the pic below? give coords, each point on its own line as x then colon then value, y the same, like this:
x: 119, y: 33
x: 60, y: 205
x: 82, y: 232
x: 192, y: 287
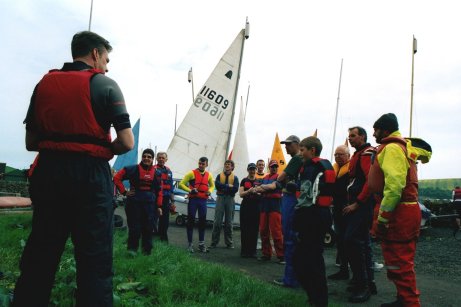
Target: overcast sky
x: 291, y: 60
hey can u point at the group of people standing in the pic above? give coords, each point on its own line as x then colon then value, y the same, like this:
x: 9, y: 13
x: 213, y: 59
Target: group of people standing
x: 68, y: 122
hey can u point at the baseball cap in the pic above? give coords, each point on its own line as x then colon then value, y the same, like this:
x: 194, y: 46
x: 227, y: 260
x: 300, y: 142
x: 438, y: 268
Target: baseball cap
x: 251, y: 165
x: 273, y: 162
x: 291, y: 139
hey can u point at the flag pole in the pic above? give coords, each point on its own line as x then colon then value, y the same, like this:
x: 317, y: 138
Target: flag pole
x: 336, y: 114
x: 415, y: 49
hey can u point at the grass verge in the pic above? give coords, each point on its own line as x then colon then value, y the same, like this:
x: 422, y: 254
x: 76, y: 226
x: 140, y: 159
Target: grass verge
x: 168, y: 277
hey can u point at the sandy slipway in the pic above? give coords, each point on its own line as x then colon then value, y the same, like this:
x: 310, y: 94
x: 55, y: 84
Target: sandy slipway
x: 438, y: 267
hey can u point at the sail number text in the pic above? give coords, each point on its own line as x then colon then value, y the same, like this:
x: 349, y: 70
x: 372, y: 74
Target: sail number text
x: 212, y: 106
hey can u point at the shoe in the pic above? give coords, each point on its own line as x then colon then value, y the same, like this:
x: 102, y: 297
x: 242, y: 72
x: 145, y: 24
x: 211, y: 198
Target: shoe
x: 279, y: 282
x: 203, y: 249
x: 281, y: 260
x: 360, y: 295
x: 396, y: 303
x: 341, y: 275
x: 377, y: 266
x: 230, y: 246
x: 132, y: 253
x: 372, y: 287
x: 190, y: 249
x: 264, y: 258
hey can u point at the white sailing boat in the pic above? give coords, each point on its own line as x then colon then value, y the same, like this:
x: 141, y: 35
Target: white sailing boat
x: 207, y: 127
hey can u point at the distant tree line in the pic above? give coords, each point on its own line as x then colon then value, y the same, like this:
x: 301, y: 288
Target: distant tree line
x: 432, y: 193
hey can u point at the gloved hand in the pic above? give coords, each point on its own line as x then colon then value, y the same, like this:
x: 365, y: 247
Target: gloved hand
x: 381, y: 230
x: 291, y: 186
x: 193, y: 191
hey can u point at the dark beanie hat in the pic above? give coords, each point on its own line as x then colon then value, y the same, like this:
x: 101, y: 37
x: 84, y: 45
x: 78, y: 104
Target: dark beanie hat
x: 148, y: 151
x: 387, y: 122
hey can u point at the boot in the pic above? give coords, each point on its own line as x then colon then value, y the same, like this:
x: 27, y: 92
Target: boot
x: 360, y: 295
x: 341, y: 275
x: 372, y: 287
x: 397, y: 303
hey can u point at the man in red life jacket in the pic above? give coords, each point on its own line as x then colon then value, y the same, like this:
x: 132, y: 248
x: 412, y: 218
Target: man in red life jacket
x: 358, y: 216
x: 166, y: 176
x: 144, y: 201
x: 199, y: 184
x: 68, y: 122
x: 394, y: 176
x: 312, y: 219
x: 270, y: 221
x: 457, y: 205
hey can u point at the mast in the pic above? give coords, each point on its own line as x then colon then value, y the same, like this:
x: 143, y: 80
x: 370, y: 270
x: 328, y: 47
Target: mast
x: 91, y: 16
x: 336, y: 113
x: 412, y: 78
x: 245, y: 36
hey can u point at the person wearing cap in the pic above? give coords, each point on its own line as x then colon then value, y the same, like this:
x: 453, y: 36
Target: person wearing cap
x: 144, y: 201
x: 270, y: 220
x: 249, y: 213
x: 227, y: 185
x: 288, y: 179
x: 312, y: 219
x: 358, y: 215
x: 199, y: 184
x: 393, y: 176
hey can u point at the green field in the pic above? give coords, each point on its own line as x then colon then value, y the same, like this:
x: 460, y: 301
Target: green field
x: 169, y: 277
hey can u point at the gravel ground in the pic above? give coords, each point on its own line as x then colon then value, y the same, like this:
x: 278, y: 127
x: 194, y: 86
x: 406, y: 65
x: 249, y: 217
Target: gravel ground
x: 437, y: 264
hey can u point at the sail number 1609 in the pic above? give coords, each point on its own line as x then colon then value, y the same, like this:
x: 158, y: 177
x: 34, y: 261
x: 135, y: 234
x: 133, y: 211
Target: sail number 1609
x: 206, y: 106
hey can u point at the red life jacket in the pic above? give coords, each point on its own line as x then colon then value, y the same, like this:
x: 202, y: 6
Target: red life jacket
x: 166, y: 178
x: 376, y: 175
x: 64, y: 115
x: 268, y: 179
x: 200, y: 182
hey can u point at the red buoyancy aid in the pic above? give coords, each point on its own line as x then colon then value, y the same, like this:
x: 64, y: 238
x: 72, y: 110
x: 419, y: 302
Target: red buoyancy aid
x: 457, y: 194
x: 65, y: 117
x: 166, y: 177
x: 326, y: 183
x: 200, y: 183
x: 268, y: 179
x: 142, y: 180
x: 376, y: 175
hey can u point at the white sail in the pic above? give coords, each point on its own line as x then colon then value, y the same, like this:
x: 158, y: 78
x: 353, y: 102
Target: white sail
x: 207, y: 126
x: 240, y: 149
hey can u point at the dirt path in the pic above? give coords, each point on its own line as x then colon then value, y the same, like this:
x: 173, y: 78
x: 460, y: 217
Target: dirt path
x: 438, y: 267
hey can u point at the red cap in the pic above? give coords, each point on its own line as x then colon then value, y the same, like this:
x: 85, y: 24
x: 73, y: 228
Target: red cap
x: 273, y: 162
